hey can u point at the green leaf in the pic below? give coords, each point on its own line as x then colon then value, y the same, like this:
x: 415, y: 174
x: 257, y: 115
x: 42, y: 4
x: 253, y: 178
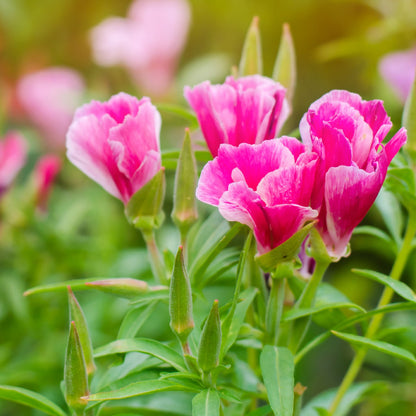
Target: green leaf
x: 212, y: 247
x: 30, y: 399
x: 179, y: 111
x: 377, y: 233
x: 237, y: 321
x: 134, y: 319
x: 261, y: 411
x: 409, y: 121
x: 300, y: 313
x: 251, y: 58
x: 401, y: 182
x: 139, y: 389
x: 399, y: 287
x: 146, y: 346
x: 391, y: 212
x: 149, y: 297
x: 354, y: 395
x: 285, y: 66
x: 378, y: 346
x: 206, y: 403
x: 277, y: 368
x: 78, y: 284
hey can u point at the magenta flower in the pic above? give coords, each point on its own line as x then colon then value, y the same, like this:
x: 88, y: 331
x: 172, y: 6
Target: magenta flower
x: 266, y: 186
x: 12, y: 158
x: 398, y: 69
x: 148, y: 42
x: 250, y: 109
x: 49, y: 98
x: 346, y: 132
x: 116, y: 143
x: 45, y: 172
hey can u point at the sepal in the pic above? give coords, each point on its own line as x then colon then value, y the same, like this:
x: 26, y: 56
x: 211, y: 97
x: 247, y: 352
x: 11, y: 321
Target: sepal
x: 251, y: 61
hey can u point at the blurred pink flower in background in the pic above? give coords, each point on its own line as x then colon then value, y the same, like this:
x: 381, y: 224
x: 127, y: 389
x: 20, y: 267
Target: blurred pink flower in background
x: 249, y: 109
x: 44, y: 175
x: 49, y: 97
x: 12, y: 158
x: 266, y: 186
x: 148, y: 42
x: 116, y: 143
x: 398, y: 69
x: 346, y: 132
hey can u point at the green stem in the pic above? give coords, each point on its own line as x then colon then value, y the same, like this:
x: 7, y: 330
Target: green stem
x: 274, y: 310
x: 156, y: 260
x: 306, y: 300
x: 374, y: 325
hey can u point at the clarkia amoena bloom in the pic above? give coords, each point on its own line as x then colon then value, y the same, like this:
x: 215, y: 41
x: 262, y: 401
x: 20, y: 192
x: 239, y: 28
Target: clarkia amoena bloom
x: 49, y: 97
x: 346, y: 132
x: 249, y: 109
x: 116, y: 143
x: 12, y: 158
x: 266, y: 186
x: 398, y: 69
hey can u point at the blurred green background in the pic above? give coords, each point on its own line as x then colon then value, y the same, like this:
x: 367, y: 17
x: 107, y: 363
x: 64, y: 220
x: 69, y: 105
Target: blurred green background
x: 338, y: 45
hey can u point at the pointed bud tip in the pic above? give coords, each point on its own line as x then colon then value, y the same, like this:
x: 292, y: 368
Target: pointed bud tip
x: 255, y: 21
x: 70, y: 291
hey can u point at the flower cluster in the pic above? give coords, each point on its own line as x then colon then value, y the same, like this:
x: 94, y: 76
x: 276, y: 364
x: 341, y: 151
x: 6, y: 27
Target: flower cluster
x: 273, y: 185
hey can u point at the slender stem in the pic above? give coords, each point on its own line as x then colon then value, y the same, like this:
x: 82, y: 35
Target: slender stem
x: 374, y: 325
x: 274, y: 310
x: 156, y: 260
x: 306, y: 300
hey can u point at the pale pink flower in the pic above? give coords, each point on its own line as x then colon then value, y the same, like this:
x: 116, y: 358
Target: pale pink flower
x: 12, y: 158
x: 116, y: 143
x: 249, y: 109
x: 49, y: 97
x: 266, y: 186
x: 346, y: 132
x: 148, y: 42
x: 44, y: 174
x: 398, y: 69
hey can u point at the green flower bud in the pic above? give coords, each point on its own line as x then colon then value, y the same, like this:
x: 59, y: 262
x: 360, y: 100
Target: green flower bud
x: 124, y: 287
x: 184, y: 212
x: 180, y: 300
x: 75, y: 373
x: 210, y: 343
x: 251, y: 58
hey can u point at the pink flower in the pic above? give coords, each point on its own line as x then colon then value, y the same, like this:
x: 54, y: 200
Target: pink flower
x: 266, y: 186
x: 398, y: 69
x: 12, y: 158
x: 245, y: 110
x: 45, y: 172
x: 147, y: 43
x: 49, y: 98
x: 346, y: 132
x: 116, y: 143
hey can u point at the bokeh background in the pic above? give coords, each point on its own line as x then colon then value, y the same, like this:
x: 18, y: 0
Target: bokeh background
x: 339, y: 44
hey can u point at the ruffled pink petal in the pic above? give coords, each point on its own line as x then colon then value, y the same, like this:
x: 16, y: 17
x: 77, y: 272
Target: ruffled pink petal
x: 215, y: 110
x: 137, y: 135
x: 395, y: 143
x: 289, y: 185
x: 349, y: 194
x: 88, y: 150
x: 294, y: 145
x: 149, y: 167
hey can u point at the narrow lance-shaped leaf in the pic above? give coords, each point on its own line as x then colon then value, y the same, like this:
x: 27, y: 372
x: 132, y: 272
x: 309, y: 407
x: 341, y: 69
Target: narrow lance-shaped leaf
x: 206, y: 403
x: 210, y: 343
x: 409, y: 121
x: 251, y: 58
x: 78, y: 317
x: 75, y: 373
x: 285, y: 66
x: 180, y: 300
x: 185, y: 212
x: 277, y: 367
